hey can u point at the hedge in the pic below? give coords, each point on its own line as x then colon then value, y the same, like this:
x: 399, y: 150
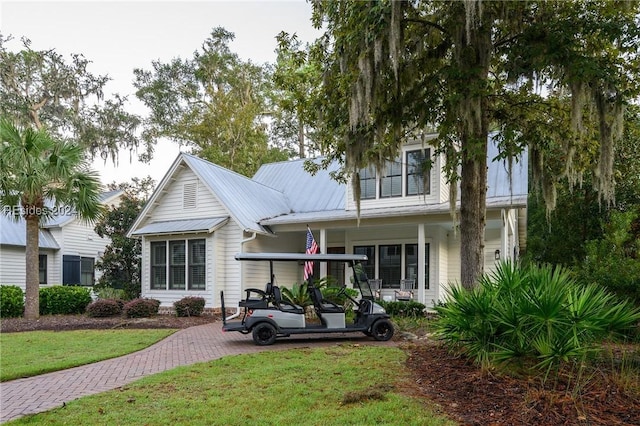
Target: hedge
x: 11, y: 301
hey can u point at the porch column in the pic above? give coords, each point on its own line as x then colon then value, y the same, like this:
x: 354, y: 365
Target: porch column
x: 323, y: 249
x: 421, y: 254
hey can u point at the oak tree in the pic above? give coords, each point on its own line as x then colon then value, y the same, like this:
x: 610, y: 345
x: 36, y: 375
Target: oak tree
x: 551, y: 77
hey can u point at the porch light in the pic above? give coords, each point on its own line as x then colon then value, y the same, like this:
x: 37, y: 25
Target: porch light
x: 497, y: 254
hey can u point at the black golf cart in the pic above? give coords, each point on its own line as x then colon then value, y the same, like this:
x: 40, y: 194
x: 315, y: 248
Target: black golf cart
x: 267, y: 316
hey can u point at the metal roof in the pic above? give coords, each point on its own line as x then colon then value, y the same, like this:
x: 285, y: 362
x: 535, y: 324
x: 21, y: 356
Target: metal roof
x: 248, y: 201
x: 305, y: 192
x: 182, y: 226
x: 13, y: 233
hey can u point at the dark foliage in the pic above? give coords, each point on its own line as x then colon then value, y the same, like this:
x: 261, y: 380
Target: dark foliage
x: 11, y: 301
x: 64, y: 300
x: 120, y: 263
x: 404, y: 309
x: 189, y: 306
x: 141, y: 308
x: 104, y: 308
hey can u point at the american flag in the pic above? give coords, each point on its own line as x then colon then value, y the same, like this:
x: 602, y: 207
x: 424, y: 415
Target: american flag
x: 311, y: 248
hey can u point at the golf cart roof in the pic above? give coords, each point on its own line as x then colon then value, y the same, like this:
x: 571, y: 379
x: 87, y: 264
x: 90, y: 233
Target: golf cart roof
x: 302, y: 257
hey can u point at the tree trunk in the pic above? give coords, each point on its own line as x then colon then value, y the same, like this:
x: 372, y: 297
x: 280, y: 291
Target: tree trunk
x: 473, y: 55
x: 473, y: 200
x: 32, y: 296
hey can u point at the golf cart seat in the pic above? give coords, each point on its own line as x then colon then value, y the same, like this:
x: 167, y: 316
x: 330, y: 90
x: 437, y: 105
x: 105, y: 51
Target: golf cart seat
x: 256, y: 298
x: 324, y: 306
x: 283, y: 305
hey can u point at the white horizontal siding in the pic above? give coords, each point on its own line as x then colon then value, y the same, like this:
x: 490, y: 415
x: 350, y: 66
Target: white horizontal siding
x: 79, y: 238
x: 169, y: 205
x: 13, y: 266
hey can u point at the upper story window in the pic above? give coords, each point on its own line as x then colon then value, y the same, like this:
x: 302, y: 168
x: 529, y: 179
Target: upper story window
x: 368, y: 183
x: 417, y: 172
x: 391, y: 182
x: 408, y: 176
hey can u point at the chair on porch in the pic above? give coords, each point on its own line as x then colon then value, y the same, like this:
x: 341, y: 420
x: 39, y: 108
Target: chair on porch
x: 376, y: 288
x: 405, y: 293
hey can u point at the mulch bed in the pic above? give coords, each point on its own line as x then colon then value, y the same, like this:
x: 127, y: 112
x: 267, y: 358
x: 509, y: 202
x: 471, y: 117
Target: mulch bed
x: 465, y: 393
x: 473, y: 397
x: 83, y: 322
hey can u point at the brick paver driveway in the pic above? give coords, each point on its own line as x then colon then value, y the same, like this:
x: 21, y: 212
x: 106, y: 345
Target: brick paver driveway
x: 195, y: 344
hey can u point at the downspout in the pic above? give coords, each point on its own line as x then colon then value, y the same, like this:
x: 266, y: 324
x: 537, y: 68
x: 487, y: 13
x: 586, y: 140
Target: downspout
x: 246, y: 240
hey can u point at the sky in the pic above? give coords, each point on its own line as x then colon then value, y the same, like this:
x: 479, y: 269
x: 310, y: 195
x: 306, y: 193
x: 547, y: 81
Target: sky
x: 118, y: 36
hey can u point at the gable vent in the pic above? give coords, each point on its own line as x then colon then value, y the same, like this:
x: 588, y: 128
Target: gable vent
x: 189, y: 195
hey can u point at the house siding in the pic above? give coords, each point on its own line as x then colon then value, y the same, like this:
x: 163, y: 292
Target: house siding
x: 170, y: 205
x: 13, y: 266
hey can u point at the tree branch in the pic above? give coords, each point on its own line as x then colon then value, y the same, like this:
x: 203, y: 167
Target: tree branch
x: 428, y: 24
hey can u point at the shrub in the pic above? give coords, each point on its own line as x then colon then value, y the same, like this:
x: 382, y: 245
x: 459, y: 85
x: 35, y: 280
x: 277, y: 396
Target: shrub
x: 64, y: 300
x: 338, y: 296
x: 141, y: 308
x: 104, y: 308
x: 298, y: 294
x: 11, y: 301
x: 189, y: 306
x: 535, y: 313
x: 409, y: 309
x: 109, y: 293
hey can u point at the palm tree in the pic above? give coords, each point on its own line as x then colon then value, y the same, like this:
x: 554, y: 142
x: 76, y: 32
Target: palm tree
x: 39, y: 174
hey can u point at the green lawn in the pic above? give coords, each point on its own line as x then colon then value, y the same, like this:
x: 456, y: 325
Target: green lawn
x: 37, y: 352
x: 346, y: 384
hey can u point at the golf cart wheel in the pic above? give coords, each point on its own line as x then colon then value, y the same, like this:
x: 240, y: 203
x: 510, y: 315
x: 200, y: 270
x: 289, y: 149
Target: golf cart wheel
x: 264, y: 334
x: 382, y: 330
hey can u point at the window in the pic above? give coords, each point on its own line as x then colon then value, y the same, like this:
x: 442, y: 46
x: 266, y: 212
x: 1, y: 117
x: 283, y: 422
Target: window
x: 411, y: 263
x: 177, y: 259
x: 42, y: 268
x: 158, y: 265
x: 390, y: 265
x: 391, y: 182
x: 336, y: 269
x: 370, y: 265
x: 417, y: 172
x: 178, y: 265
x: 368, y: 183
x: 87, y: 271
x: 196, y: 265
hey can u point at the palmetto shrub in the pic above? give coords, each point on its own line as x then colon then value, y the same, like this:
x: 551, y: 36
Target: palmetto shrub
x: 535, y: 313
x: 298, y: 294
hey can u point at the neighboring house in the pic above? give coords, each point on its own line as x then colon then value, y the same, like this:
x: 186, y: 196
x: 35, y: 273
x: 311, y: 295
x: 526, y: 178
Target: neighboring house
x: 69, y: 247
x: 201, y: 215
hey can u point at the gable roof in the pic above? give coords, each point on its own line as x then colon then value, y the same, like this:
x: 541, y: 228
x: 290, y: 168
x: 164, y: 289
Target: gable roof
x: 247, y: 201
x: 13, y: 232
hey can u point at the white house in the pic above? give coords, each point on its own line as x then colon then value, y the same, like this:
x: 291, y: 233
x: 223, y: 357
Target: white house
x: 69, y: 247
x: 201, y: 215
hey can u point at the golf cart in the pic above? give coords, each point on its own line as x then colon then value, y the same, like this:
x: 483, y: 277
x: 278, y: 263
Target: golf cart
x: 267, y: 316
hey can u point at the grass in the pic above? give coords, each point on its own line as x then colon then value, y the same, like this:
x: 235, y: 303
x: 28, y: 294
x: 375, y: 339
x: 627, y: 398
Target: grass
x: 38, y: 352
x: 346, y: 384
